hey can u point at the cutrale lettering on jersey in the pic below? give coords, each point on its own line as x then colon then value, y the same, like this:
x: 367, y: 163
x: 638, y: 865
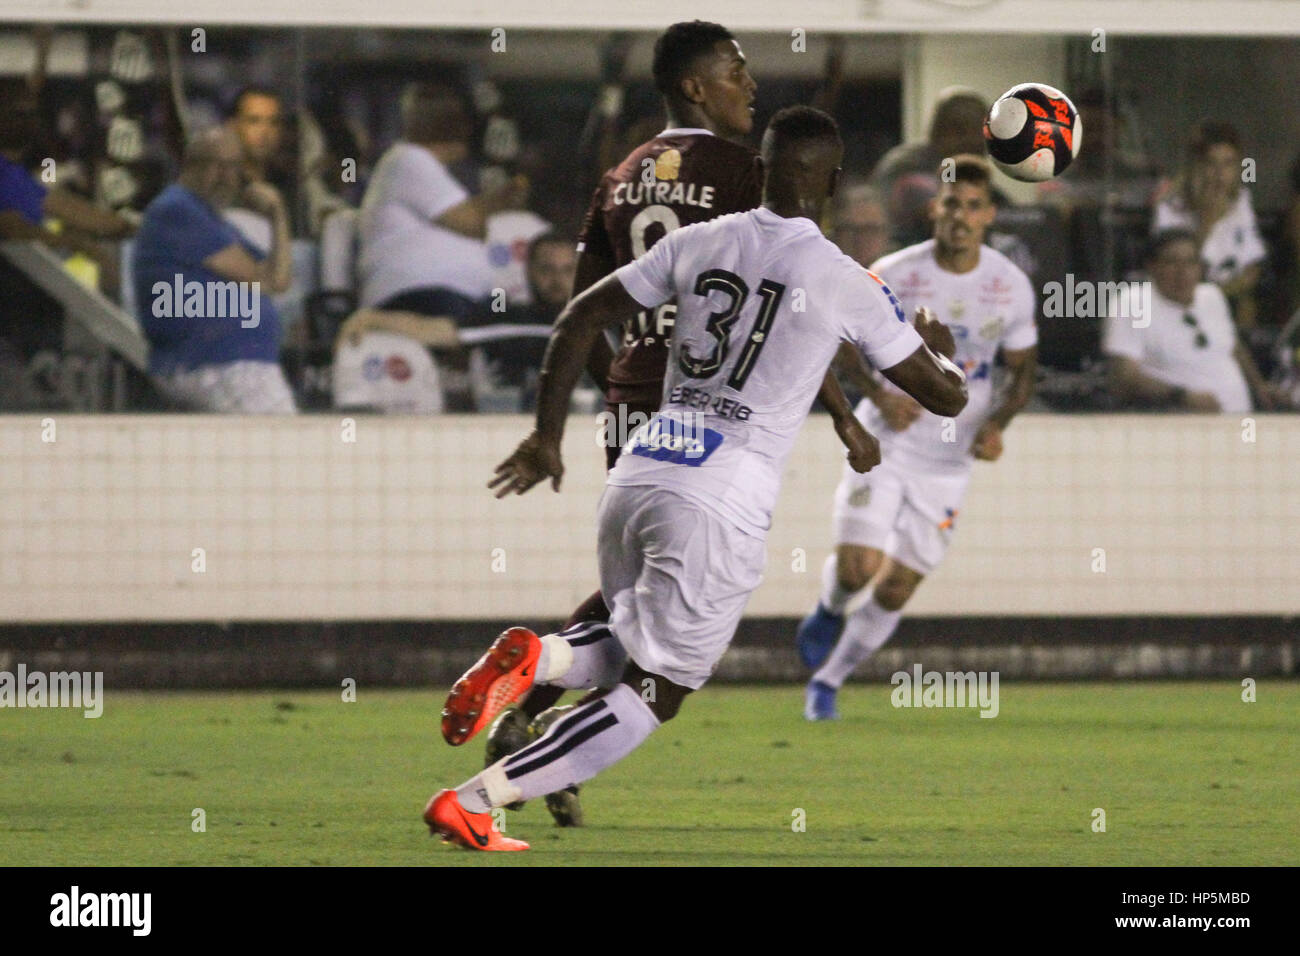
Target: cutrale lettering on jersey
x: 677, y: 194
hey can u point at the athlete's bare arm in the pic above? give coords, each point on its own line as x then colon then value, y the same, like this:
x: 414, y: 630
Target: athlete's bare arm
x: 927, y: 374
x: 578, y: 327
x: 592, y: 267
x: 1129, y: 383
x: 898, y: 410
x: 1023, y: 364
x: 864, y: 450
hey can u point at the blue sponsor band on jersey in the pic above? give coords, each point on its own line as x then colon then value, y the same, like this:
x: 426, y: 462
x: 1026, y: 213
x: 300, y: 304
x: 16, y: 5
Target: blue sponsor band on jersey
x: 678, y: 442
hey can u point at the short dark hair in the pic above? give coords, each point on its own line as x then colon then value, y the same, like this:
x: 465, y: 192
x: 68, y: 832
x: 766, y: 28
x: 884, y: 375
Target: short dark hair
x: 1209, y: 134
x: 252, y: 89
x: 967, y: 168
x: 677, y: 49
x: 435, y: 113
x: 795, y: 124
x: 1166, y: 237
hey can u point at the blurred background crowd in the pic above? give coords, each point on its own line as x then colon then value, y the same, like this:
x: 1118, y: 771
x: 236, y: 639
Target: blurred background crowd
x: 408, y: 204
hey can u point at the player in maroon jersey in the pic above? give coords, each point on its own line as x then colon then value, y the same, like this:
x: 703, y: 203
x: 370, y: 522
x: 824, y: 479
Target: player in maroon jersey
x: 692, y: 172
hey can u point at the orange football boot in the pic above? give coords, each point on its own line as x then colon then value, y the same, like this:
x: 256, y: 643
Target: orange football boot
x: 446, y: 817
x: 501, y: 676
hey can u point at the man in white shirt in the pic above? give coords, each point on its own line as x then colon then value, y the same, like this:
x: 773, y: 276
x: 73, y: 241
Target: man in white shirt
x: 893, y: 525
x: 1188, y: 357
x: 685, y: 513
x: 421, y: 231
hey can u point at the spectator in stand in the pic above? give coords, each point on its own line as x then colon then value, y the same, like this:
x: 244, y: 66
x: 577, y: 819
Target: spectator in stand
x: 26, y: 202
x: 515, y: 358
x: 421, y: 231
x: 905, y: 175
x: 1207, y: 198
x: 257, y: 118
x: 1188, y: 357
x: 422, y: 235
x: 860, y: 226
x: 201, y: 287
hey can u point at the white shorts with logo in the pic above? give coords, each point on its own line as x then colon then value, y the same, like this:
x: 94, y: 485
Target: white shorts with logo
x: 906, y: 511
x: 676, y: 578
x: 245, y: 387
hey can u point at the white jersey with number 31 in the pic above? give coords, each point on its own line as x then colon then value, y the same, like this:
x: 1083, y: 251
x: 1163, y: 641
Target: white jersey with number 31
x: 762, y: 304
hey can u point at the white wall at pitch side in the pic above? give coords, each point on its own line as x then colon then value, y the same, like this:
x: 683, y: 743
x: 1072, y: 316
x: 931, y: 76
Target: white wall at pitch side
x: 297, y: 524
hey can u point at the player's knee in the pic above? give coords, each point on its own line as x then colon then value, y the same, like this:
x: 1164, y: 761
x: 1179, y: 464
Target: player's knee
x: 892, y: 593
x: 854, y: 569
x: 662, y: 696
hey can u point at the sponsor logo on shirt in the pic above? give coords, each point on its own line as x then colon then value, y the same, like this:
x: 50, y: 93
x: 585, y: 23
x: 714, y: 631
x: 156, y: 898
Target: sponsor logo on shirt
x: 668, y: 164
x: 679, y: 442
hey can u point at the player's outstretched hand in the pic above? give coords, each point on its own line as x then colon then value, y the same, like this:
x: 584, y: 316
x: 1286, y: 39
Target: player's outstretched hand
x: 934, y: 333
x: 988, y: 442
x: 534, y: 460
x: 864, y: 450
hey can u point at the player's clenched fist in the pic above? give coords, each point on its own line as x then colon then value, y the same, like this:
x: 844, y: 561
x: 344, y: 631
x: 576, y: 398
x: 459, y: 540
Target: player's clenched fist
x: 536, y: 459
x: 934, y: 333
x: 988, y: 442
x: 864, y: 450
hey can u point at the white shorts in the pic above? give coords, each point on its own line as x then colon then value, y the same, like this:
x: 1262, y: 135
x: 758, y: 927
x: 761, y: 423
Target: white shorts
x: 676, y: 578
x: 257, y: 388
x: 908, y: 513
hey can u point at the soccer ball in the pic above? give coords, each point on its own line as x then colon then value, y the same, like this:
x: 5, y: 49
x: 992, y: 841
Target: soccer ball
x: 1032, y: 132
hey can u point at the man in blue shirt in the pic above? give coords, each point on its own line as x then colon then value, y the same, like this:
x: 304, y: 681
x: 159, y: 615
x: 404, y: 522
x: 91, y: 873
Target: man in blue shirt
x: 26, y: 202
x: 214, y: 335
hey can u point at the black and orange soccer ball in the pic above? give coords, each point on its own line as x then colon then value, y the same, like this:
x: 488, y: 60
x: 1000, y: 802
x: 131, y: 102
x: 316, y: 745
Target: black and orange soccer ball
x: 1032, y: 132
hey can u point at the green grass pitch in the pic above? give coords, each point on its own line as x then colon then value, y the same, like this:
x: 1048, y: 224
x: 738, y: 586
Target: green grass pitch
x: 1187, y: 773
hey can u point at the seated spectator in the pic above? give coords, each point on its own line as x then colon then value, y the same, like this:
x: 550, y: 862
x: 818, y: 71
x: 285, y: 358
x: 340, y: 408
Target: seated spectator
x: 257, y: 119
x: 201, y: 287
x: 421, y: 232
x: 860, y: 225
x: 26, y: 202
x: 1207, y: 198
x: 509, y: 240
x: 905, y: 175
x: 514, y: 349
x: 1188, y: 357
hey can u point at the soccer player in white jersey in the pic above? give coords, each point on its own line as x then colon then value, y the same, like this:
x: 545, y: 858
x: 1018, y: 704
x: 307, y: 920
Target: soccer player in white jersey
x: 893, y: 524
x: 763, y: 303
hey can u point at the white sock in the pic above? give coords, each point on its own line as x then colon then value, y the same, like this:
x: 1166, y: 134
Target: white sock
x: 834, y: 598
x: 865, y: 632
x: 584, y: 655
x: 576, y: 748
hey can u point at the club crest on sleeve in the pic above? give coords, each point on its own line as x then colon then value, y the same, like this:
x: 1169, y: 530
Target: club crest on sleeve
x: 893, y: 299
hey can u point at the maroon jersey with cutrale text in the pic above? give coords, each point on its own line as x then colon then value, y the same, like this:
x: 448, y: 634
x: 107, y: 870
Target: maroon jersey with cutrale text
x: 677, y: 179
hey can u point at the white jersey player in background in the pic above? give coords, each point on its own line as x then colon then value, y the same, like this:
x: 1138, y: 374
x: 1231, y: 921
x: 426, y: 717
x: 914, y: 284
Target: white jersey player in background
x: 893, y: 525
x: 763, y: 302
